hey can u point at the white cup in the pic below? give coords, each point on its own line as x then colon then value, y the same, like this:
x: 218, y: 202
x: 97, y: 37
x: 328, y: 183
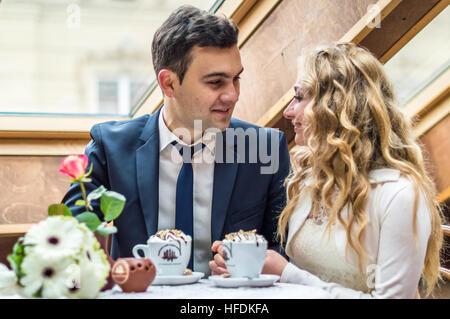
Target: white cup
x: 170, y: 257
x: 244, y: 258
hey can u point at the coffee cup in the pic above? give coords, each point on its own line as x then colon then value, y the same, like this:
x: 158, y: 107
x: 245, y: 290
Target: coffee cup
x: 244, y: 254
x: 169, y: 250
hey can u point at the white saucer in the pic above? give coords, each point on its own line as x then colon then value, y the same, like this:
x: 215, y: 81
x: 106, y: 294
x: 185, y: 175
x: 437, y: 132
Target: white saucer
x: 178, y: 280
x: 261, y: 281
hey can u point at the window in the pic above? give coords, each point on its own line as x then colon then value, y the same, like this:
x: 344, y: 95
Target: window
x: 421, y: 60
x: 78, y: 57
x: 118, y: 95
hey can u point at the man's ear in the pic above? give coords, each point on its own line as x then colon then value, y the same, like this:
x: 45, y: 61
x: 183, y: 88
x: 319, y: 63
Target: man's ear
x: 166, y: 79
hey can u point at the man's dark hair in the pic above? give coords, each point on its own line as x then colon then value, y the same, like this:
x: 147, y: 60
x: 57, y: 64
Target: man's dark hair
x: 186, y: 27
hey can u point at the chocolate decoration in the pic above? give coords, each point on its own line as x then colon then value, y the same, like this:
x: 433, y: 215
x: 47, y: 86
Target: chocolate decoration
x: 133, y: 274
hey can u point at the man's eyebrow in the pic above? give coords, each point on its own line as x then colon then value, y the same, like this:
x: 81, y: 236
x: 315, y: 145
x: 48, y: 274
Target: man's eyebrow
x: 220, y: 74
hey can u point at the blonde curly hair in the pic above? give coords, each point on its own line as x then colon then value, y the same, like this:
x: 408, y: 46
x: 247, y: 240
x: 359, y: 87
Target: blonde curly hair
x: 354, y: 126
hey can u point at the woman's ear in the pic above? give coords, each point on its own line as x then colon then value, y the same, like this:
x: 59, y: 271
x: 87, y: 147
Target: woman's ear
x: 166, y: 80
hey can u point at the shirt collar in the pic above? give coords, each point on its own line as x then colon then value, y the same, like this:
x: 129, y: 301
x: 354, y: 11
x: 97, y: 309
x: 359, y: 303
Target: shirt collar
x: 166, y: 137
x: 383, y: 175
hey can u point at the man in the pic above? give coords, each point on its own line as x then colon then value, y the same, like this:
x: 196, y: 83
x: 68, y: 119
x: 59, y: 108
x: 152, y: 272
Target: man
x: 218, y: 186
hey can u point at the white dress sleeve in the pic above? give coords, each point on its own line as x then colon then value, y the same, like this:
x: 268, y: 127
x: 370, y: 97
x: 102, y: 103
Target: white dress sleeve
x: 400, y: 255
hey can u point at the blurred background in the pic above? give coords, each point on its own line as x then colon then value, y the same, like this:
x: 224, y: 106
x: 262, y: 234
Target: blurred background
x: 78, y: 57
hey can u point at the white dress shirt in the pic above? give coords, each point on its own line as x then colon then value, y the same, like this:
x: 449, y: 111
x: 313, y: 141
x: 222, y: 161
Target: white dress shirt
x: 395, y: 257
x: 170, y: 162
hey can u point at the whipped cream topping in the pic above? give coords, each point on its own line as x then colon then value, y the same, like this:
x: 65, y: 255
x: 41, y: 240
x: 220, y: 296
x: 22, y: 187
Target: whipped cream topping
x: 245, y: 236
x: 169, y: 235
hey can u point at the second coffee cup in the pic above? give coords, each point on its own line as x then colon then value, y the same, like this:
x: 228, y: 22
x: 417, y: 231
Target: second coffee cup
x: 244, y: 253
x: 169, y: 250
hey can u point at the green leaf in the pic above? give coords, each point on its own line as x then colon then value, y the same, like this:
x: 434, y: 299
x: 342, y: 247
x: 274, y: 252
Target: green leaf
x: 90, y: 219
x: 59, y: 209
x: 80, y: 203
x: 15, y: 259
x: 105, y: 230
x: 112, y: 204
x: 18, y: 246
x: 96, y: 194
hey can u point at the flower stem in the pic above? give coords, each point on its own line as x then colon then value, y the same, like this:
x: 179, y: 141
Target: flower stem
x: 83, y: 192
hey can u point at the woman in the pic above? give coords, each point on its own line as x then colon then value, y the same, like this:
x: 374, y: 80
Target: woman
x: 362, y: 220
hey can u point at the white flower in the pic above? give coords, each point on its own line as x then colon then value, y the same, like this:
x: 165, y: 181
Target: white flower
x: 94, y: 252
x: 102, y: 266
x: 54, y: 237
x: 46, y: 275
x: 87, y: 279
x: 8, y: 280
x: 89, y: 240
x: 88, y: 276
x: 63, y: 258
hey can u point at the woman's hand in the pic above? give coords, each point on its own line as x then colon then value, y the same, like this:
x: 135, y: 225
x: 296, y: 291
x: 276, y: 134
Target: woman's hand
x: 274, y: 264
x: 217, y: 265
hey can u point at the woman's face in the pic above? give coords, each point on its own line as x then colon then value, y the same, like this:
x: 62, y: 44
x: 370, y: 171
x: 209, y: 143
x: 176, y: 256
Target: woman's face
x: 295, y: 113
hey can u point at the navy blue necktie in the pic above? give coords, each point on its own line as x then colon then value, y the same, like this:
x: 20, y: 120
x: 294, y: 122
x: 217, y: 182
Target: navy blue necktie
x: 184, y: 206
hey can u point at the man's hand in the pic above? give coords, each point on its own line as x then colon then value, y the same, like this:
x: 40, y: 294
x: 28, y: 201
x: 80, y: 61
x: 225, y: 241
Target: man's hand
x: 217, y: 265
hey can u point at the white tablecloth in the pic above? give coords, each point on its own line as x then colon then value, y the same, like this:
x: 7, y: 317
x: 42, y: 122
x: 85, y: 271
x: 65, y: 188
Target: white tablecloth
x: 205, y: 289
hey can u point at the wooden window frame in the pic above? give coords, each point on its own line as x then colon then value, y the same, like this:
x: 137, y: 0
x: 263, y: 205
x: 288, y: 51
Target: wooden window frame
x: 42, y: 135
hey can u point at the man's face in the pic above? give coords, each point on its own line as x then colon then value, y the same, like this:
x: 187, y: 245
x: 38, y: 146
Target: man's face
x: 210, y: 88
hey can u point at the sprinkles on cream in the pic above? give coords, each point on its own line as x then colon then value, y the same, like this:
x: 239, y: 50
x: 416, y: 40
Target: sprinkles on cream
x: 243, y: 236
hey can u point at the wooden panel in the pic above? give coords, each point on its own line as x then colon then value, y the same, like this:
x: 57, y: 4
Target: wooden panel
x: 372, y: 19
x: 446, y: 230
x: 416, y: 28
x: 436, y: 144
x: 50, y: 127
x: 236, y: 9
x: 38, y: 146
x: 6, y: 247
x: 444, y: 195
x: 405, y: 16
x: 269, y: 56
x: 28, y: 185
x: 252, y: 21
x: 427, y: 121
x: 11, y: 230
x: 435, y: 92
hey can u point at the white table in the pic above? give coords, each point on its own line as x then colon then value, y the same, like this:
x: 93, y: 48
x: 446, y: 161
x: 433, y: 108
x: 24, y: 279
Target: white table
x: 205, y: 289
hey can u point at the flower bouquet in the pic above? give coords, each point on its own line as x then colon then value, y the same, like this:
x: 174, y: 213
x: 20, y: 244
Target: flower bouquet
x: 60, y: 256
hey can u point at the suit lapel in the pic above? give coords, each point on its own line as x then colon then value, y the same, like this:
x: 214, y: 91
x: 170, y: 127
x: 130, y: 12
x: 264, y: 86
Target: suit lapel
x: 147, y: 166
x: 224, y: 177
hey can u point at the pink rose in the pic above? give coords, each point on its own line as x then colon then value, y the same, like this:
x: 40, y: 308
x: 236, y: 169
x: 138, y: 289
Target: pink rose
x: 74, y: 166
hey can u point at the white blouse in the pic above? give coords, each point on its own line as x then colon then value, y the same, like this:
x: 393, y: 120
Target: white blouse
x: 395, y: 256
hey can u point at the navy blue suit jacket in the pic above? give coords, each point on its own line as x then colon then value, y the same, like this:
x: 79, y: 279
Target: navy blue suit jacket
x: 125, y: 158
